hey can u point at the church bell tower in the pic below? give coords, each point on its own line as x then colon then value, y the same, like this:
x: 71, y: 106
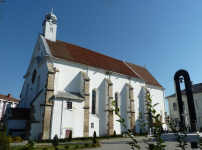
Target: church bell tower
x: 50, y: 26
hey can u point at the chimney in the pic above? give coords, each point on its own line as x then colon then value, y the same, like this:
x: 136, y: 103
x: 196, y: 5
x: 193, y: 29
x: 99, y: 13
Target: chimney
x: 192, y: 83
x: 9, y: 95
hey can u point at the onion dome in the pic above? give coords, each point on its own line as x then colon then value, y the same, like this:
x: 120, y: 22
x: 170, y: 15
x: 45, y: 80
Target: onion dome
x: 51, y: 15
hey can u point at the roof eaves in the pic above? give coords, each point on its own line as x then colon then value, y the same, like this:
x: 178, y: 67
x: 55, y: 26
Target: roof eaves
x: 96, y: 67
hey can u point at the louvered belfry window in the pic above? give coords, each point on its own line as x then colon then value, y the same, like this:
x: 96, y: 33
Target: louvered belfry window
x: 93, y: 101
x: 69, y: 105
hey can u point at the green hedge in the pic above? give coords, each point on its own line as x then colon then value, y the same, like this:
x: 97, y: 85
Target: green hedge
x: 76, y: 138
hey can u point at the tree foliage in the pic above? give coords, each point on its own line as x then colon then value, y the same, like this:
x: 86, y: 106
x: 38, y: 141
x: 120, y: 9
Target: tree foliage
x: 70, y: 136
x: 5, y: 128
x: 4, y: 142
x: 55, y: 142
x: 94, y: 138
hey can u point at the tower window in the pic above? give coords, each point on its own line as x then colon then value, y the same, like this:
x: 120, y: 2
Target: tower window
x: 51, y: 29
x: 69, y: 105
x: 93, y: 101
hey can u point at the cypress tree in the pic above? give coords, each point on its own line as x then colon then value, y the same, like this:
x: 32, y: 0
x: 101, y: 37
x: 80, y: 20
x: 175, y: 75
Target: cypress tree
x: 70, y: 136
x: 94, y: 138
x: 55, y: 141
x: 114, y: 133
x: 5, y: 128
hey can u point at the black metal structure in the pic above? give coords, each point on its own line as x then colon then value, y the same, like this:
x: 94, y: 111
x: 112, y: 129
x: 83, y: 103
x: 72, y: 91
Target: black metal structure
x: 190, y: 99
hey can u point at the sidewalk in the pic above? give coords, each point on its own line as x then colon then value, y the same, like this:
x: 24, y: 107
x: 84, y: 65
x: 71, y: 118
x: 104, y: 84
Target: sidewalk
x: 118, y: 144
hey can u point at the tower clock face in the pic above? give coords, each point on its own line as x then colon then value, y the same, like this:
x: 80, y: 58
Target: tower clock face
x: 33, y: 76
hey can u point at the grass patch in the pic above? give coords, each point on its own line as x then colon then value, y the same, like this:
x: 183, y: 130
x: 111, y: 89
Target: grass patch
x: 61, y: 147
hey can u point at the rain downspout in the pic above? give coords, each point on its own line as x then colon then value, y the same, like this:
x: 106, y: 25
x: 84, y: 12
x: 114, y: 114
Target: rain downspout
x: 61, y: 121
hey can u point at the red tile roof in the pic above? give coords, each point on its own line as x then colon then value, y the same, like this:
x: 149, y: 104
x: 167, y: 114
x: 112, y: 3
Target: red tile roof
x: 82, y: 55
x: 144, y: 73
x: 85, y: 56
x: 6, y: 98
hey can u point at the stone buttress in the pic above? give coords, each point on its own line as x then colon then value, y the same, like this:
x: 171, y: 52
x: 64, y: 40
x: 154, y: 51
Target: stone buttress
x: 110, y: 124
x: 86, y: 87
x: 131, y: 107
x: 48, y: 101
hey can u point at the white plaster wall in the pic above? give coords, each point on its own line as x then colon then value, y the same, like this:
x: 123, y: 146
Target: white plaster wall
x: 93, y: 119
x: 16, y: 124
x: 41, y: 69
x: 50, y: 35
x: 36, y: 128
x: 158, y: 97
x: 175, y: 114
x: 70, y: 79
x: 64, y: 118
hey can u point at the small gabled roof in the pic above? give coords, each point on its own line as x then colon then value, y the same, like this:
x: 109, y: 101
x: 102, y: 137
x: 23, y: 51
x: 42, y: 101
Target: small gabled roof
x: 196, y: 88
x: 144, y: 73
x: 69, y: 95
x: 9, y: 99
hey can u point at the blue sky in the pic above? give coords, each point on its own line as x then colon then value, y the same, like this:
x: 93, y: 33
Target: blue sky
x: 163, y: 35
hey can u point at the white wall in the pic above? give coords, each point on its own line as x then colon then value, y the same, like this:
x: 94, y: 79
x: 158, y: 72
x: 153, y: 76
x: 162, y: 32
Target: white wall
x: 64, y: 119
x: 175, y: 114
x: 36, y: 128
x: 41, y: 69
x: 93, y: 119
x: 16, y: 124
x: 70, y: 79
x: 158, y: 97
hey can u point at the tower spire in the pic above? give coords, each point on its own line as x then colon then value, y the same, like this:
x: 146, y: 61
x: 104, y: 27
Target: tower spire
x: 52, y: 9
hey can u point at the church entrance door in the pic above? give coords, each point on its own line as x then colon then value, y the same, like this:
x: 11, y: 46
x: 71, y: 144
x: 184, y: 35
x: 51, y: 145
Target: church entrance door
x: 67, y: 133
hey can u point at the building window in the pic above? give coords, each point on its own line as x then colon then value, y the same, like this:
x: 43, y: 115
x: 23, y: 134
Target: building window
x: 51, y: 29
x: 175, y: 106
x: 92, y: 125
x: 93, y: 101
x: 116, y: 101
x: 69, y: 105
x: 176, y: 121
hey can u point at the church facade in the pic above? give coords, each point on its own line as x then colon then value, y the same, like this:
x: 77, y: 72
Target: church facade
x: 68, y: 87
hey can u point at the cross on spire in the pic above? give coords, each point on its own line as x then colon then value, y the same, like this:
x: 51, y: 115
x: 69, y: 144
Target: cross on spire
x: 52, y: 9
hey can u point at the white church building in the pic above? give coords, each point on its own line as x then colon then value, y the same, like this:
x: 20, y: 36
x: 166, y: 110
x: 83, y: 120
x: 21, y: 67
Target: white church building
x: 68, y: 87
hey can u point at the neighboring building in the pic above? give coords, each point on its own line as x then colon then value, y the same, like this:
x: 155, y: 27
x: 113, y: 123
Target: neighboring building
x: 173, y: 104
x: 4, y: 101
x: 68, y: 87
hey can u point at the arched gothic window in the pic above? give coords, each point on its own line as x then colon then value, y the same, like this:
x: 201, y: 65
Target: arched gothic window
x: 51, y: 29
x: 38, y: 84
x: 116, y: 100
x: 93, y: 101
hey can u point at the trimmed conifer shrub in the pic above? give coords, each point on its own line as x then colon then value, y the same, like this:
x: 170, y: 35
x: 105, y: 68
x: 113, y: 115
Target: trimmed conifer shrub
x: 94, y: 138
x: 70, y: 136
x: 67, y: 147
x: 114, y: 133
x: 55, y: 141
x: 5, y: 128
